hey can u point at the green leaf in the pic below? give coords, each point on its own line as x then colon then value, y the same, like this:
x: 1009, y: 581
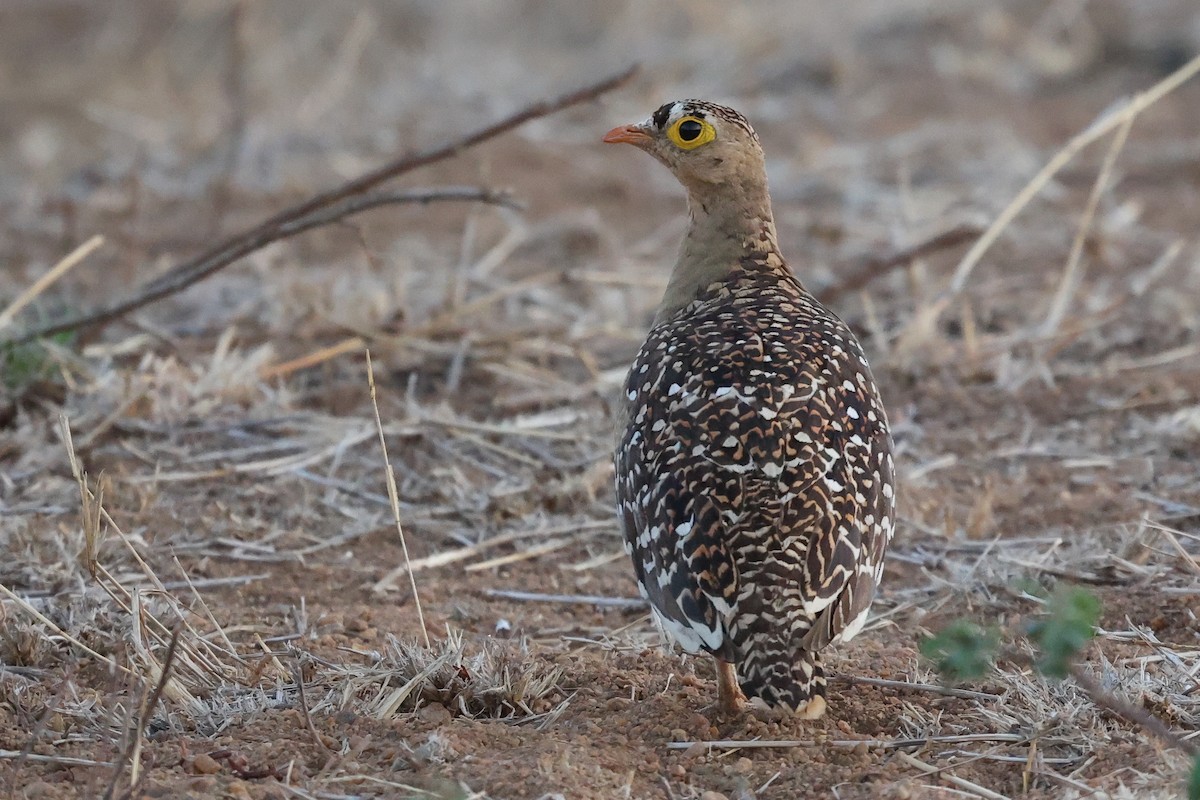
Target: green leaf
x: 1193, y: 788
x: 962, y: 650
x: 1069, y: 624
x: 23, y: 364
x: 1031, y: 587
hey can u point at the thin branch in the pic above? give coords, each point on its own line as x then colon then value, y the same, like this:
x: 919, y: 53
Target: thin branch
x: 178, y: 279
x: 1117, y: 705
x: 303, y: 216
x: 871, y: 268
x: 905, y: 686
x: 1133, y: 713
x: 850, y: 744
x: 136, y: 776
x: 298, y: 677
x: 569, y: 599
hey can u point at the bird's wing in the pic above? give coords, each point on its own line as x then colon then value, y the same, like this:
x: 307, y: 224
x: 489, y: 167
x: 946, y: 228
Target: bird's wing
x: 741, y: 479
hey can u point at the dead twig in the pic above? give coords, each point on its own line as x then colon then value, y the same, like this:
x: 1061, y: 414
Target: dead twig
x: 315, y: 211
x: 1132, y: 713
x: 298, y: 677
x: 851, y: 744
x: 132, y: 753
x: 932, y: 688
x: 869, y: 269
x: 579, y: 599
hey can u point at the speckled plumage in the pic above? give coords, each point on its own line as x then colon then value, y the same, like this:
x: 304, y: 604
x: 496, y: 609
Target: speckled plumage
x: 754, y: 473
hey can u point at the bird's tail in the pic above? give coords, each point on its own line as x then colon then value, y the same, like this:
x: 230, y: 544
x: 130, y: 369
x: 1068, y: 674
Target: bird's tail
x: 785, y: 681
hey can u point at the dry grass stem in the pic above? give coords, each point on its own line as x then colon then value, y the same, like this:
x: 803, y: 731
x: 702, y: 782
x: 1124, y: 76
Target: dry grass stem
x: 394, y: 498
x: 68, y: 262
x: 1071, y: 274
x: 954, y: 780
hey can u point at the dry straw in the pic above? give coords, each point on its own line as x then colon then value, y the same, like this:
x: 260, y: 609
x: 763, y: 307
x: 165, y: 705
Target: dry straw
x: 394, y: 498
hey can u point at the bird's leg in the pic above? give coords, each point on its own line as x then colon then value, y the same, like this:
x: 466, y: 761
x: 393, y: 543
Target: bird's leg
x: 730, y: 697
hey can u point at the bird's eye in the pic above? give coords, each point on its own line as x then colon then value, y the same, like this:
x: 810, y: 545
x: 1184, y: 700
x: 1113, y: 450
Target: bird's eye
x: 691, y: 132
x: 689, y: 129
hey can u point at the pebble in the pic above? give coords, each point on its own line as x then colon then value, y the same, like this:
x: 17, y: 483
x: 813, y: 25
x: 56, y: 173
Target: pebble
x: 711, y: 795
x: 205, y: 764
x: 678, y: 772
x: 743, y: 765
x: 38, y: 790
x: 434, y: 714
x: 237, y: 791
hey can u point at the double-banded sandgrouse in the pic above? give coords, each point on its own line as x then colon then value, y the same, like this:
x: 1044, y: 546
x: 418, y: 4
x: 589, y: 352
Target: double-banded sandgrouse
x: 754, y: 471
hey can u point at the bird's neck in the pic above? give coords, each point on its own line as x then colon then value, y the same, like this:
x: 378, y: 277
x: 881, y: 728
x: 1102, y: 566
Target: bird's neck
x: 726, y: 229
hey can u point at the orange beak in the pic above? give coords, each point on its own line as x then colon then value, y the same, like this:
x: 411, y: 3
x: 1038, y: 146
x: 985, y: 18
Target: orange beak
x: 627, y: 134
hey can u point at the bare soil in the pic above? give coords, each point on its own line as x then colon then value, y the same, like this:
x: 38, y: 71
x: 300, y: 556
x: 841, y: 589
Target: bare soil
x: 244, y: 505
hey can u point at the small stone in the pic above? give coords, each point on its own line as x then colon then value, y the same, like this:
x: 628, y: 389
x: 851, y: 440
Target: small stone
x: 711, y: 795
x: 743, y: 765
x: 238, y: 791
x: 356, y: 624
x: 38, y: 790
x: 678, y: 772
x: 679, y: 735
x: 434, y: 714
x: 695, y: 751
x: 205, y: 764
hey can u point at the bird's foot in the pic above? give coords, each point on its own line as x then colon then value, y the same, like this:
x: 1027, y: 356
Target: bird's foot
x: 813, y: 709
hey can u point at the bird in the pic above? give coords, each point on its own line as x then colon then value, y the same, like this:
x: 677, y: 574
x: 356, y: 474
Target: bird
x: 754, y: 470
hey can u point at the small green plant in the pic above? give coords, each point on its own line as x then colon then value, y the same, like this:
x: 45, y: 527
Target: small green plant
x: 24, y: 364
x: 964, y: 650
x: 1070, y: 623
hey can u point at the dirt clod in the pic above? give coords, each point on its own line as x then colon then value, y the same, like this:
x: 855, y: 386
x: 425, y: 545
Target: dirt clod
x: 205, y: 764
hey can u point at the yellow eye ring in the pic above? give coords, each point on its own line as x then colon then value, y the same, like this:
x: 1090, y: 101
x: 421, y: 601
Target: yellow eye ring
x: 688, y: 133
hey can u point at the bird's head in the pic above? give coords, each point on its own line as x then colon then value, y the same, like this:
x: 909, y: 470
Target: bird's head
x: 704, y: 144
